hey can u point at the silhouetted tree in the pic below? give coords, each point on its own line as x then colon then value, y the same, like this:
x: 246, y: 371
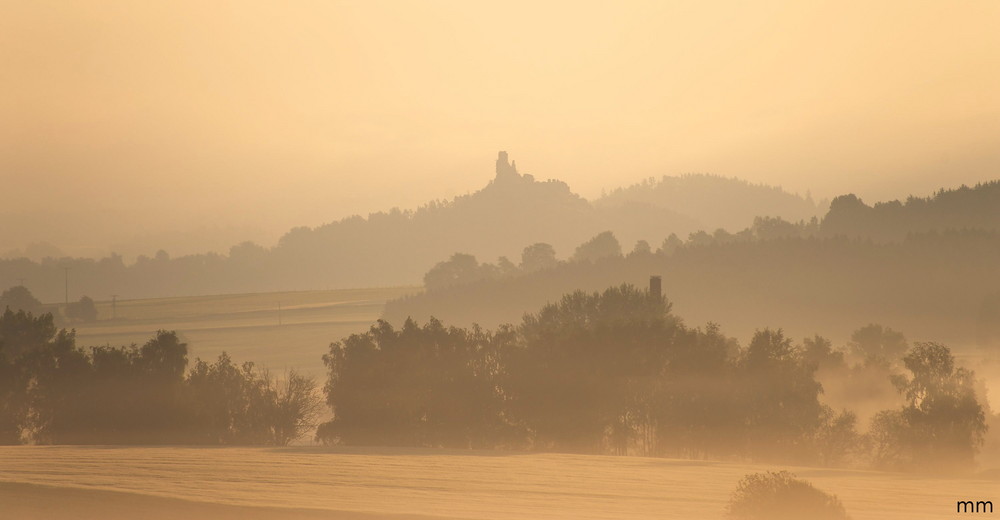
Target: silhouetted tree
x: 296, y: 409
x: 83, y: 310
x: 19, y: 298
x: 458, y: 270
x: 781, y: 395
x: 670, y: 244
x: 21, y: 331
x: 942, y: 424
x: 874, y: 341
x: 603, y: 245
x: 538, y: 257
x: 416, y: 386
x: 243, y: 405
x: 642, y: 248
x: 585, y: 365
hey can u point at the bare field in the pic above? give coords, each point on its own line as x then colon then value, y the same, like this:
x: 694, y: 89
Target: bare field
x: 283, y: 482
x: 246, y: 325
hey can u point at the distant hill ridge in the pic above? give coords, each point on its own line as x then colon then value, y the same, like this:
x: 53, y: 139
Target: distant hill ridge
x: 965, y: 207
x: 715, y: 201
x: 397, y: 247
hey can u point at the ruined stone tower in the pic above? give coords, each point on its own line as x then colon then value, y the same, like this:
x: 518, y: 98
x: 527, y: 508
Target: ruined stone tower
x: 505, y: 170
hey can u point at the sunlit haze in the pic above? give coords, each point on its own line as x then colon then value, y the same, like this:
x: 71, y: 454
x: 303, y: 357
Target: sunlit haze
x: 225, y: 121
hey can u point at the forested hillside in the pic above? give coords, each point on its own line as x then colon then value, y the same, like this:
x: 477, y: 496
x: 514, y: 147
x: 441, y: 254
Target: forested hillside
x: 512, y: 210
x: 977, y: 207
x: 937, y: 285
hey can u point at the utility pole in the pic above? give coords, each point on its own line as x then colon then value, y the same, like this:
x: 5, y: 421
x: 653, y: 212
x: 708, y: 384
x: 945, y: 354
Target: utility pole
x: 279, y: 314
x: 67, y: 285
x: 114, y: 301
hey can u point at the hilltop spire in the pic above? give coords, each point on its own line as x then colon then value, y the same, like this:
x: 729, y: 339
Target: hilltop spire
x: 505, y: 169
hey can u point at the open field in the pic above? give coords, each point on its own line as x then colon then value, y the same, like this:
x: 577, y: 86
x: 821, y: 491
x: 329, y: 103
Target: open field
x: 303, y: 482
x: 246, y: 325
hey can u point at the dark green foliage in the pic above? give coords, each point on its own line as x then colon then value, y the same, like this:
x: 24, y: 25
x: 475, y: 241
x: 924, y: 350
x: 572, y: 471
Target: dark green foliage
x: 781, y: 496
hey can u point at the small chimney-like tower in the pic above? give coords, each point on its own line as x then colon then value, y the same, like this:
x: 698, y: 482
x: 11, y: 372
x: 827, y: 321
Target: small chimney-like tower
x: 655, y: 287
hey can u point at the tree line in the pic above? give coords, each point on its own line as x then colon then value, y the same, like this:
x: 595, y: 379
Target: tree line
x: 617, y: 372
x: 744, y: 279
x: 54, y: 392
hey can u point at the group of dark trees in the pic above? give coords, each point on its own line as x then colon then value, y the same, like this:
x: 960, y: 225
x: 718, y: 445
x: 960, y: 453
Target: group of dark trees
x: 20, y: 298
x: 53, y: 392
x: 617, y: 372
x: 464, y: 269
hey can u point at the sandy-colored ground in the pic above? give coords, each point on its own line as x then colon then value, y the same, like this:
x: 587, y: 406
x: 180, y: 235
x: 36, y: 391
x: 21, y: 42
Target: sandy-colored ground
x: 33, y: 502
x: 313, y: 482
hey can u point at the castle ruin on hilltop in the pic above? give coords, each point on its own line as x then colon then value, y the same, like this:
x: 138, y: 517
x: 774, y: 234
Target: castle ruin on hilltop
x: 507, y: 170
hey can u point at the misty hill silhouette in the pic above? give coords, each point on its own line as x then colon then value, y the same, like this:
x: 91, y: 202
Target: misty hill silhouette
x: 397, y: 247
x: 713, y: 201
x: 977, y: 207
x: 929, y: 265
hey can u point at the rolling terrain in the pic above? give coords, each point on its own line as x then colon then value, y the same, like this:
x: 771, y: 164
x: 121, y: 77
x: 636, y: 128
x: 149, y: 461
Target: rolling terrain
x: 246, y: 325
x: 314, y: 482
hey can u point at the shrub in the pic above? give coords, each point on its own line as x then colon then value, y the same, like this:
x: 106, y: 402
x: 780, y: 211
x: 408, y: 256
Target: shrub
x: 780, y: 496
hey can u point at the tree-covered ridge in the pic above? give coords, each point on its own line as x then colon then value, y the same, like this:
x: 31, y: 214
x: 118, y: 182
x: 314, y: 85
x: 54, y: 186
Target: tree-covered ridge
x: 617, y: 372
x: 972, y: 208
x: 715, y: 201
x: 512, y: 210
x: 939, y: 285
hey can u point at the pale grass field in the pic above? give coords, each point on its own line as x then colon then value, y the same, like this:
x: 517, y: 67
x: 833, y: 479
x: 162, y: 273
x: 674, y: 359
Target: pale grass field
x: 460, y: 484
x: 246, y: 325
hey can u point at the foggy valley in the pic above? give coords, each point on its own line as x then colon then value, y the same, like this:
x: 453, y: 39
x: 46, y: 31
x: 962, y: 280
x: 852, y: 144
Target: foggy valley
x: 440, y: 260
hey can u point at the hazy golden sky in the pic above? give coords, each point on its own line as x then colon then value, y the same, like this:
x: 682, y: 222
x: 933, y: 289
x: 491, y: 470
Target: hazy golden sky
x: 120, y: 118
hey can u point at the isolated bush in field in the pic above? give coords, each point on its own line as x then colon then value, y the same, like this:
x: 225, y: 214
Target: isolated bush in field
x: 781, y: 496
x: 83, y: 310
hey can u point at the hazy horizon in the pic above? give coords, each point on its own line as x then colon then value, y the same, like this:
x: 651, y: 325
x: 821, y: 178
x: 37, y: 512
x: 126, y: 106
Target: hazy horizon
x: 210, y: 124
